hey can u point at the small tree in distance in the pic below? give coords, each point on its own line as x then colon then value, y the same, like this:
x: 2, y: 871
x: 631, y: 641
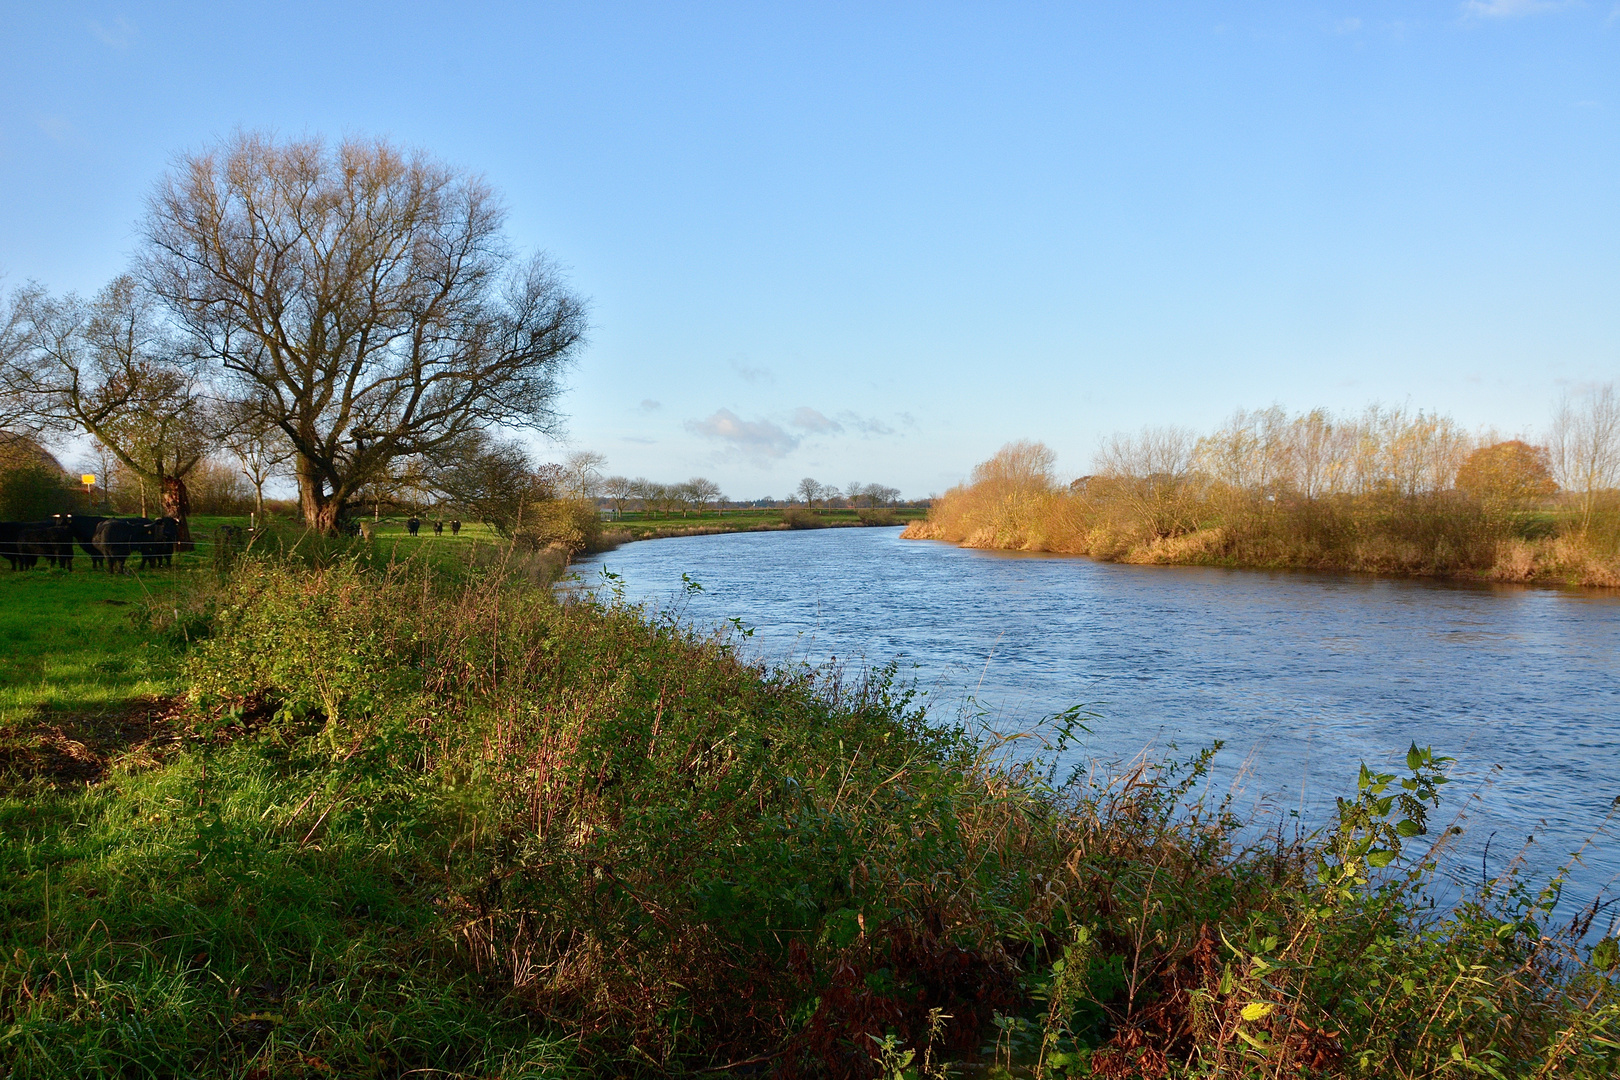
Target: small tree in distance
x: 704, y: 492
x: 1584, y: 446
x: 1507, y: 473
x: 618, y: 490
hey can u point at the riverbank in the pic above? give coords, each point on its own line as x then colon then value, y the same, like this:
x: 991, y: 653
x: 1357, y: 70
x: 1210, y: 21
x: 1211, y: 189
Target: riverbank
x: 384, y: 816
x: 634, y: 526
x: 1013, y: 503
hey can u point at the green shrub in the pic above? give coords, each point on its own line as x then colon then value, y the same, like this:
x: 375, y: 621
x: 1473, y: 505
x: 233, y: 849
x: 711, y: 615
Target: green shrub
x: 568, y: 525
x: 30, y: 492
x: 796, y: 517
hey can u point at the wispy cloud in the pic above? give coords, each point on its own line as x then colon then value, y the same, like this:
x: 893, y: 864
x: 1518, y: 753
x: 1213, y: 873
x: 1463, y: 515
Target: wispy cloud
x: 649, y: 405
x: 115, y: 35
x: 753, y: 374
x: 866, y: 425
x: 807, y: 419
x: 1347, y: 26
x: 1510, y: 9
x: 756, y: 440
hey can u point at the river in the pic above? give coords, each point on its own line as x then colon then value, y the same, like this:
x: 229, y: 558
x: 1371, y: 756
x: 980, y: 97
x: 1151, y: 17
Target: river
x: 1303, y: 676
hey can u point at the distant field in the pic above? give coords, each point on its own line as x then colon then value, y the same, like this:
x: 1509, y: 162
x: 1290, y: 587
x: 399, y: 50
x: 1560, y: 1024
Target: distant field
x: 642, y: 526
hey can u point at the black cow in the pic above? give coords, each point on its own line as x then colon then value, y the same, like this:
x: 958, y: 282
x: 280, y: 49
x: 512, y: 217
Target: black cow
x: 455, y: 527
x: 158, y: 542
x: 11, y: 545
x: 116, y: 539
x: 46, y: 540
x: 83, y: 528
x: 438, y: 528
x: 412, y: 524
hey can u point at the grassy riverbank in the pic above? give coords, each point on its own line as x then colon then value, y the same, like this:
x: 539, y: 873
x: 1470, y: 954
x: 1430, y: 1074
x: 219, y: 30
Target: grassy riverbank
x: 1015, y: 503
x: 388, y: 818
x: 640, y: 526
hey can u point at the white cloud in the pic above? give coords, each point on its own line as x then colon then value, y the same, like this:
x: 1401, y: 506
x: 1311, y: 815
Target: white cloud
x: 1510, y: 9
x: 649, y: 405
x: 1347, y: 26
x: 807, y: 419
x: 757, y: 440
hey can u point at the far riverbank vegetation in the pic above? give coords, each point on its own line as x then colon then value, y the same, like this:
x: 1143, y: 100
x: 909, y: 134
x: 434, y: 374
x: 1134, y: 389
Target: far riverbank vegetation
x: 1389, y: 491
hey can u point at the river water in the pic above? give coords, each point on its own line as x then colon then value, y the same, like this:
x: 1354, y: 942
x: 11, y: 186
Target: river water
x: 1303, y: 676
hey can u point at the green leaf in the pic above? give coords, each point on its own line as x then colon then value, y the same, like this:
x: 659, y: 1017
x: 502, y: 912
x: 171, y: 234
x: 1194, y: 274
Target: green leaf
x: 1408, y: 827
x: 1606, y: 954
x: 1414, y: 758
x: 1257, y: 1010
x: 1380, y: 857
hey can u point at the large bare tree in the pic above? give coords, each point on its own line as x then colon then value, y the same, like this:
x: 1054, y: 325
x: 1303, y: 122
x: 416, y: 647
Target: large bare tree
x: 361, y: 298
x: 109, y: 367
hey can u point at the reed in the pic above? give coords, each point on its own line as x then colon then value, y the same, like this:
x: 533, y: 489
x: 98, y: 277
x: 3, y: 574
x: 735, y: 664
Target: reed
x: 1388, y: 492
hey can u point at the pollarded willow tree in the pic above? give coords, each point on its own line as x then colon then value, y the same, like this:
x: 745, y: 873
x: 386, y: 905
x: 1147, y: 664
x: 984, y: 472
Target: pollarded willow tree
x: 361, y: 299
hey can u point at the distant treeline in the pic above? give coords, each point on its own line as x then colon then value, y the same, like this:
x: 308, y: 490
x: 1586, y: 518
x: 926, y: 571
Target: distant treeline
x: 1389, y: 491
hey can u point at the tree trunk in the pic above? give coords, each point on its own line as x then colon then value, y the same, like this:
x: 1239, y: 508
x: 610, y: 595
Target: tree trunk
x: 320, y: 509
x: 177, y: 504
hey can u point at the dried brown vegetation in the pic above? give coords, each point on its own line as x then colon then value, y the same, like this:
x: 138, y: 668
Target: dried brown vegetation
x: 1388, y: 492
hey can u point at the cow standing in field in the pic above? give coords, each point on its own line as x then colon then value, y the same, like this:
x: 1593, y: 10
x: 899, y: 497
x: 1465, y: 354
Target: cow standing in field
x: 45, y: 540
x: 455, y: 527
x: 159, y: 541
x: 438, y: 528
x: 412, y: 524
x: 83, y: 529
x: 116, y: 538
x: 11, y: 545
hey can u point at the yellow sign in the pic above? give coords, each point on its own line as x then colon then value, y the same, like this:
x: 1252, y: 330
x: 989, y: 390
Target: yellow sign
x: 88, y: 479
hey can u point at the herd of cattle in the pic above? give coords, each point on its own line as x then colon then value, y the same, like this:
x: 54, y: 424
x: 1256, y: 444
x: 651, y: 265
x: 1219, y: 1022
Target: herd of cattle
x: 105, y: 539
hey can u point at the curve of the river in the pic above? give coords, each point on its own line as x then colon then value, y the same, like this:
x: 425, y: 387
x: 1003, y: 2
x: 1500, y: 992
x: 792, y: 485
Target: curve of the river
x: 1302, y: 675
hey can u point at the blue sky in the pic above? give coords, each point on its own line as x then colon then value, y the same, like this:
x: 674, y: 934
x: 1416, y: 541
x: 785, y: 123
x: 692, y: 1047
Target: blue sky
x: 875, y: 241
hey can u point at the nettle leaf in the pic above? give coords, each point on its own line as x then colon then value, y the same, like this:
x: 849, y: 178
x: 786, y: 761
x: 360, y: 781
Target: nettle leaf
x: 1408, y: 827
x: 1380, y: 857
x: 1258, y: 1010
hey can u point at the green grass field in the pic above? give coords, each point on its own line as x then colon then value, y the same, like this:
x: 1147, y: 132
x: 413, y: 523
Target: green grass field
x: 645, y: 526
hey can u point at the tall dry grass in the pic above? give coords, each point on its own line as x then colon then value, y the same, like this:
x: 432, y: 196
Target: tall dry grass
x: 1377, y: 493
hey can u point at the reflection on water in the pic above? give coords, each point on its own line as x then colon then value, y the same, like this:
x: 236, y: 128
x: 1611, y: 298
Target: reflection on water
x: 1302, y: 675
